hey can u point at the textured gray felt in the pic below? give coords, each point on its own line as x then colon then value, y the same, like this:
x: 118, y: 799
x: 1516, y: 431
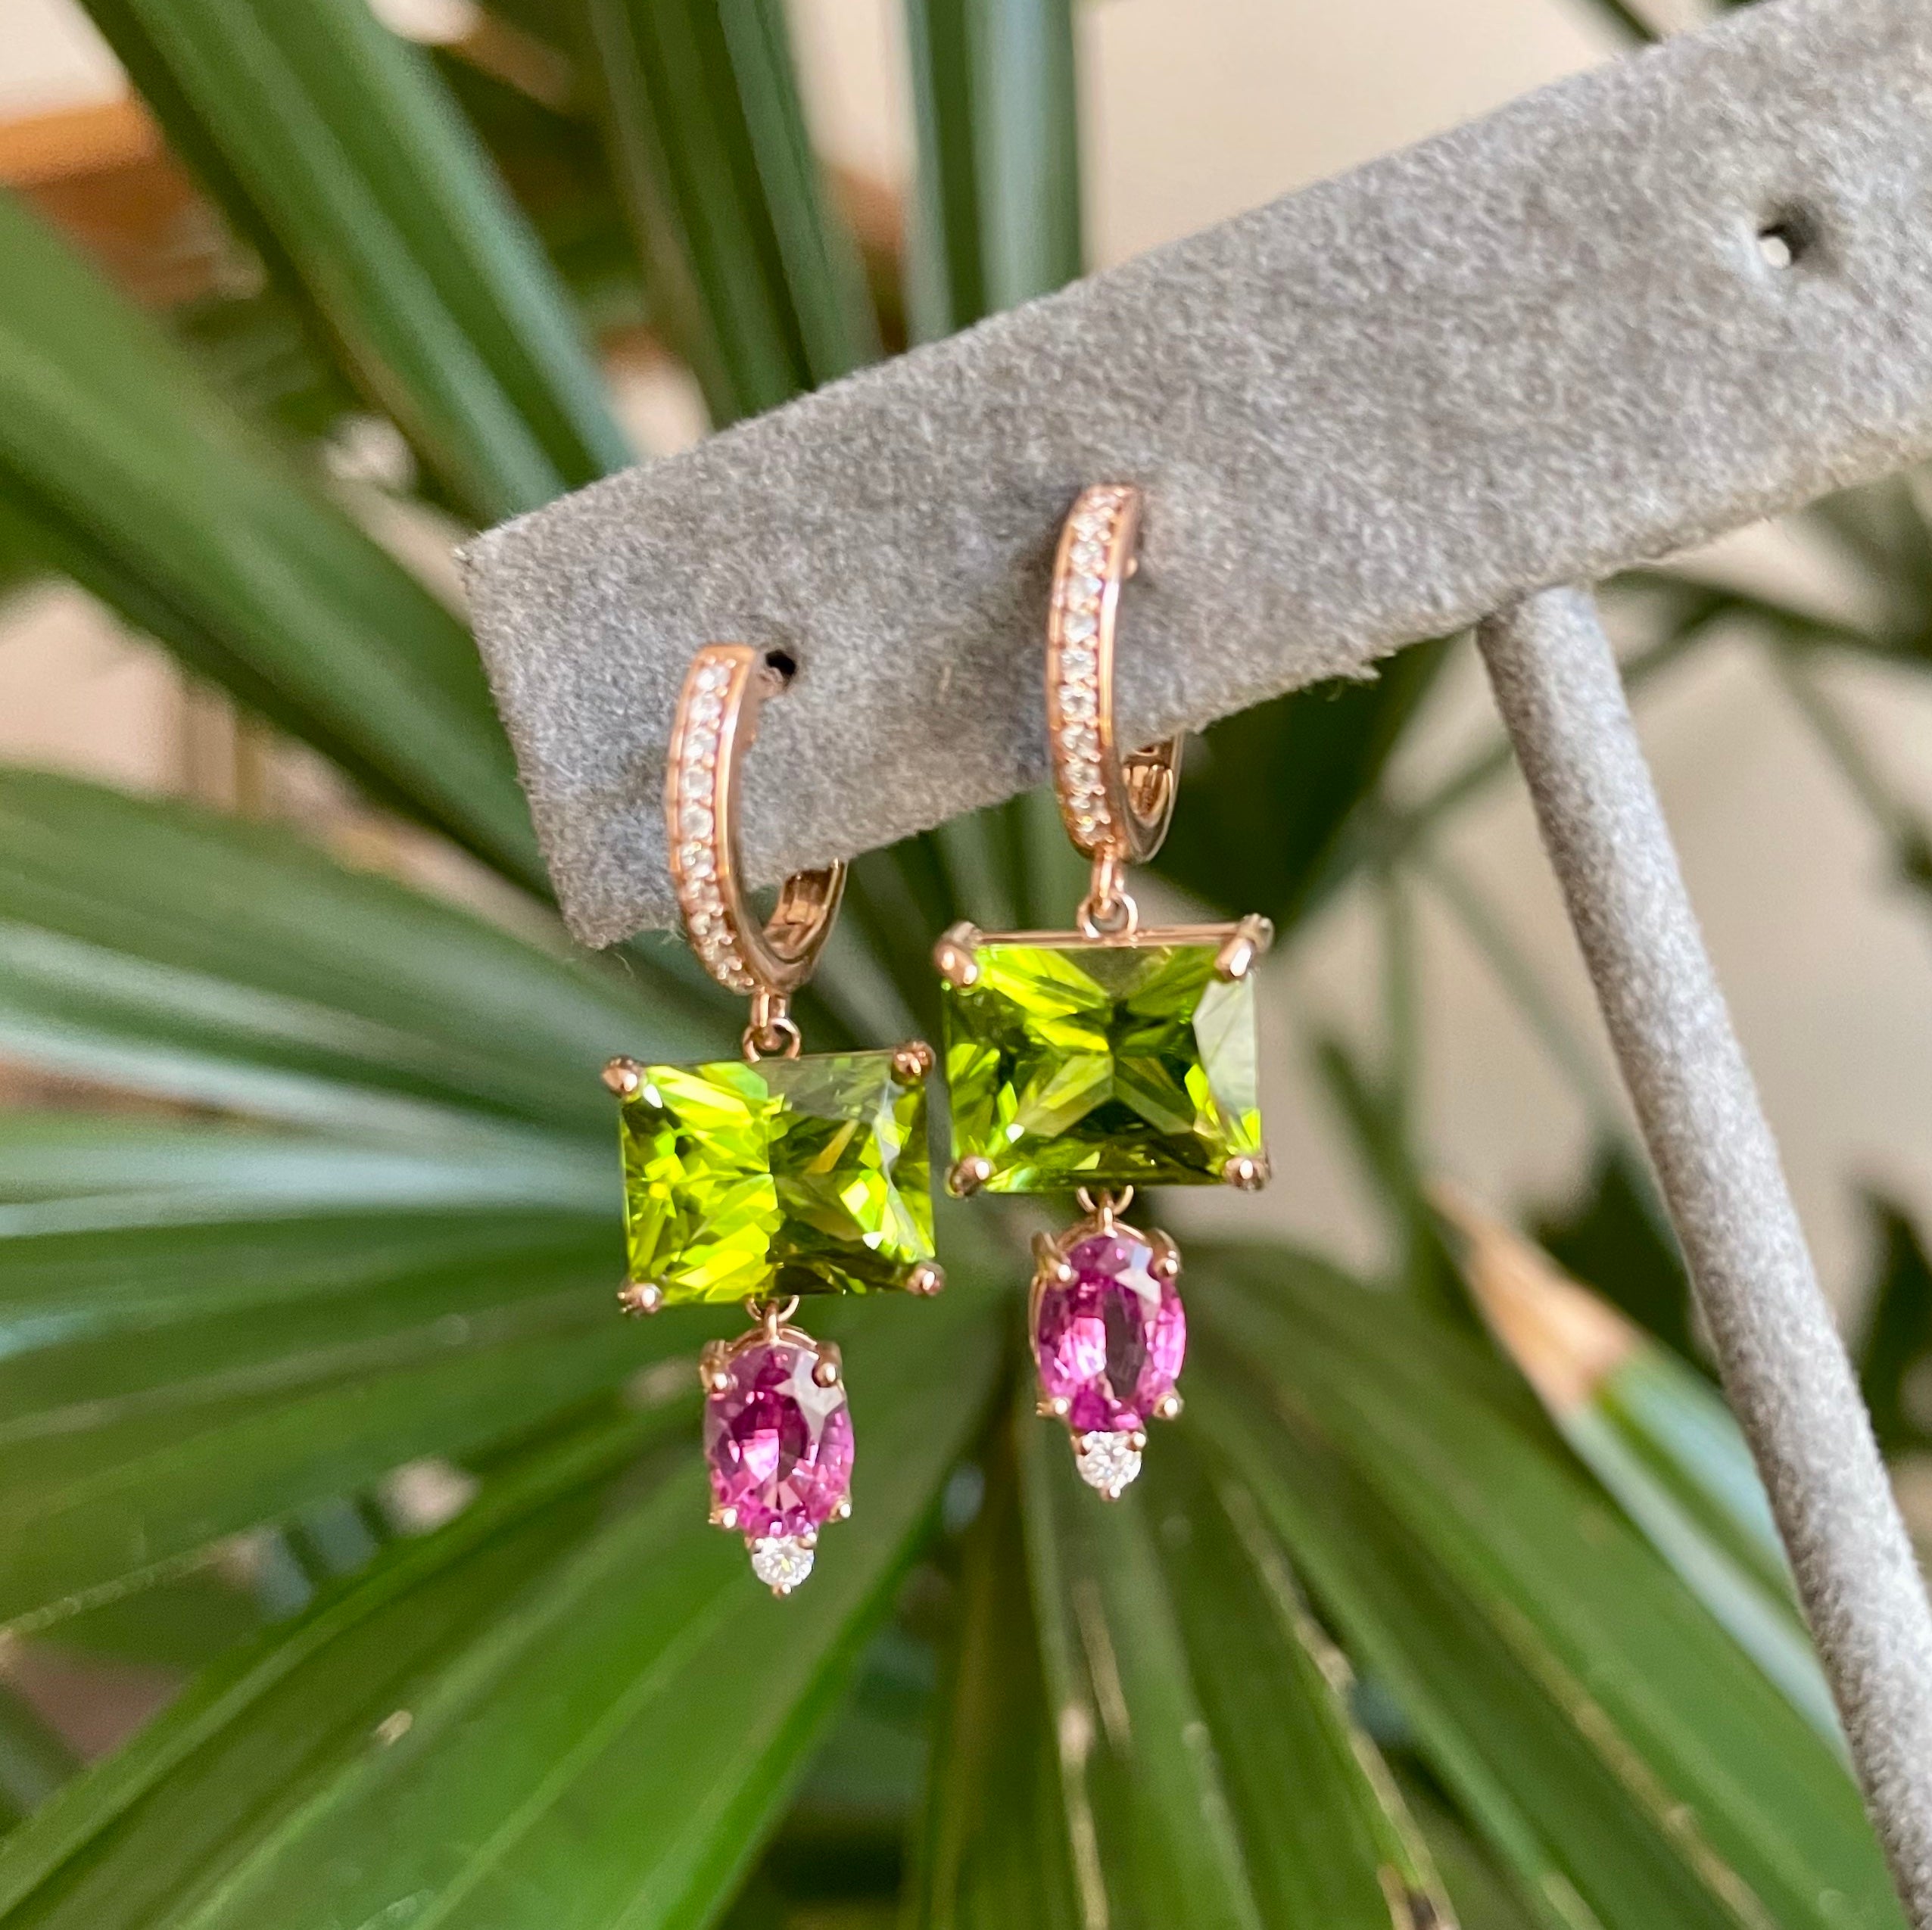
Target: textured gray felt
x: 1536, y: 349
x: 1785, y: 1368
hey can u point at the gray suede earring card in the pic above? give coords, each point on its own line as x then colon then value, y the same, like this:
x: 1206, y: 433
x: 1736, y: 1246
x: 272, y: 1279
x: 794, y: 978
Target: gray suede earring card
x: 1618, y: 317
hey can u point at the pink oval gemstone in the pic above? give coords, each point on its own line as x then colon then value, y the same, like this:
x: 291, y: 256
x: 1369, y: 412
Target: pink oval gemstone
x: 780, y: 1445
x: 1110, y: 1343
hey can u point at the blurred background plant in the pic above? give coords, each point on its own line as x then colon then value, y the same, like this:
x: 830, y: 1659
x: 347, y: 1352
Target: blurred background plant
x: 353, y: 1560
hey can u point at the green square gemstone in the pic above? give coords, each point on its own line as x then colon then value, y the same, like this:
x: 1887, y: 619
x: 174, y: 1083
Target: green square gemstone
x: 807, y: 1176
x: 1094, y: 1065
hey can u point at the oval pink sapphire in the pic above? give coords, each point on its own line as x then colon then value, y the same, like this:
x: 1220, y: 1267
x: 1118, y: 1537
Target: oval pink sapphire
x: 780, y: 1446
x: 1110, y: 1343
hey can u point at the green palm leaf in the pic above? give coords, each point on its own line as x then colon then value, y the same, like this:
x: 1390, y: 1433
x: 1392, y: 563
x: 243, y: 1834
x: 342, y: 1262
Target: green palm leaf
x: 332, y: 147
x: 509, y: 1710
x: 993, y: 1847
x: 760, y: 283
x: 153, y: 944
x: 1211, y: 1768
x: 130, y: 474
x: 1461, y: 1560
x: 169, y: 1385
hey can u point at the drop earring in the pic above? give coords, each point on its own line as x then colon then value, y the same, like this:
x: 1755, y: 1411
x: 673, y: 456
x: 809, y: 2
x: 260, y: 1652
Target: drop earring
x: 1106, y: 1058
x: 771, y: 1177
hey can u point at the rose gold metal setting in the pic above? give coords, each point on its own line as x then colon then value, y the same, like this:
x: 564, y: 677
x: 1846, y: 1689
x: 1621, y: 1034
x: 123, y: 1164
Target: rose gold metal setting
x: 926, y: 1278
x: 1248, y: 1172
x: 1251, y: 937
x: 1220, y: 936
x: 954, y: 955
x: 1113, y: 806
x: 968, y: 1175
x: 914, y: 1060
x: 641, y: 1297
x: 774, y: 1319
x: 716, y: 721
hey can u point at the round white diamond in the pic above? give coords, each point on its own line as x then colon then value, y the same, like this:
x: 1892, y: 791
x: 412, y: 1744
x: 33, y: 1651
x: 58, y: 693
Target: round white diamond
x: 713, y: 676
x: 1089, y: 556
x: 1081, y: 740
x: 1077, y: 704
x: 696, y: 859
x: 694, y: 820
x: 1080, y: 625
x: 707, y: 709
x: 1107, y: 1461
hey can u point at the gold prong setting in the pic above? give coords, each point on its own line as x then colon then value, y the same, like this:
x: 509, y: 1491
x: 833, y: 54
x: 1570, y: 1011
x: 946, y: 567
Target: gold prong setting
x: 641, y: 1297
x: 914, y: 1061
x: 954, y: 955
x: 967, y: 1176
x: 1249, y: 941
x: 1248, y: 1172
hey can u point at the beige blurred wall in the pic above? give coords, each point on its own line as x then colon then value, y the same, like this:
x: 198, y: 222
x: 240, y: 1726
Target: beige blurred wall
x: 1194, y: 109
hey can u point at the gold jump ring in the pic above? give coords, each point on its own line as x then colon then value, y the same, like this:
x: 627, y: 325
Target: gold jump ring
x: 717, y: 710
x: 1113, y: 806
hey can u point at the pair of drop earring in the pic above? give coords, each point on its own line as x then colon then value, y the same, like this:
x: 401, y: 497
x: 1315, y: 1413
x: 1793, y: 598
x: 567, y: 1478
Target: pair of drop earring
x: 1089, y: 1062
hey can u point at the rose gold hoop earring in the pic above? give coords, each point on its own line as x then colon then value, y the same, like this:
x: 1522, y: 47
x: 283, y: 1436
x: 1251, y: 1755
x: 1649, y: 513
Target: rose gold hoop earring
x: 770, y: 1177
x: 1095, y: 1061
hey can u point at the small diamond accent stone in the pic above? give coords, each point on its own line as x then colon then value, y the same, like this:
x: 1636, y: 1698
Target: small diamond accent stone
x: 781, y: 1562
x: 694, y: 820
x: 1077, y: 703
x: 1088, y: 556
x: 696, y: 859
x: 1080, y: 624
x: 1109, y: 1462
x: 713, y: 676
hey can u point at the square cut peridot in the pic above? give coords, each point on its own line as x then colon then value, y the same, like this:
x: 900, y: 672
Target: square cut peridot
x: 1074, y: 1064
x: 807, y: 1176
